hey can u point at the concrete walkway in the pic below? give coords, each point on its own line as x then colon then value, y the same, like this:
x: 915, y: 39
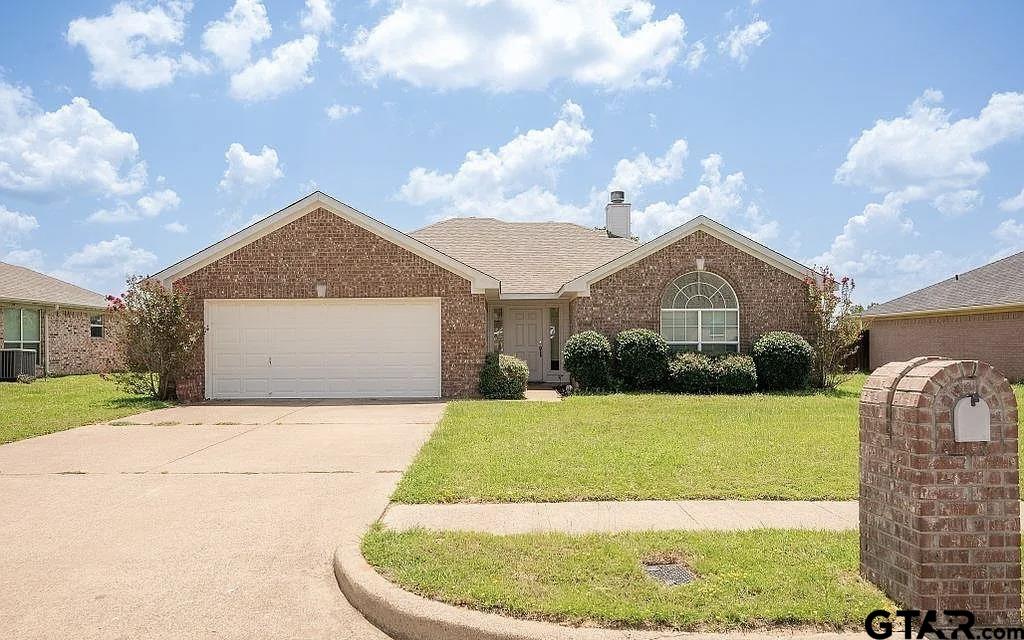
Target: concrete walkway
x: 610, y: 517
x: 208, y: 521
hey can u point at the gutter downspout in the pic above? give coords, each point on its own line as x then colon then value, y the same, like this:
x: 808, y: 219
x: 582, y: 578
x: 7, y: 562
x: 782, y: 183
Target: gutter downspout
x: 46, y: 341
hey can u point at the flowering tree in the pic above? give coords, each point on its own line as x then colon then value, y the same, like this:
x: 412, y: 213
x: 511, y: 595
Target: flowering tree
x: 157, y: 336
x: 836, y: 327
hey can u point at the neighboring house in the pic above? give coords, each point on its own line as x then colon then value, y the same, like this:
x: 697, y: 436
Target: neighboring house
x: 978, y: 315
x: 67, y: 326
x: 320, y: 300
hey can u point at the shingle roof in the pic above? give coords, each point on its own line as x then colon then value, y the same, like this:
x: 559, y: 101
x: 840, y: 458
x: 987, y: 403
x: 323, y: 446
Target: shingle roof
x: 25, y: 285
x: 528, y: 257
x: 996, y: 284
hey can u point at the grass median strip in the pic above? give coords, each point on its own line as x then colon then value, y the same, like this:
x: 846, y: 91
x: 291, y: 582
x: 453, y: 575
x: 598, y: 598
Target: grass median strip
x: 55, y: 404
x: 745, y: 580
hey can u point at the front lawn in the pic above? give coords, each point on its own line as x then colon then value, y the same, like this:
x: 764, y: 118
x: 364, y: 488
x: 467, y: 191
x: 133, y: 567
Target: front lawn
x: 746, y: 580
x: 634, y: 447
x: 55, y: 404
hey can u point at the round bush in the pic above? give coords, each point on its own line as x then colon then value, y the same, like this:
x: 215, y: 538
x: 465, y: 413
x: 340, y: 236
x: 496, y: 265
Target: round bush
x: 641, y: 359
x: 503, y: 377
x: 588, y: 357
x: 783, y: 361
x: 735, y: 374
x: 690, y: 373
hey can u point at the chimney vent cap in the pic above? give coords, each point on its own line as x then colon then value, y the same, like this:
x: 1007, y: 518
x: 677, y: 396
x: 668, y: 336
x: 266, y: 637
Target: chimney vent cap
x: 618, y: 197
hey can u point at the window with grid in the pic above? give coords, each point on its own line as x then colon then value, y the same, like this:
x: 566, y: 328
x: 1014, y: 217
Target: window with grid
x: 21, y: 329
x: 700, y: 311
x: 96, y: 326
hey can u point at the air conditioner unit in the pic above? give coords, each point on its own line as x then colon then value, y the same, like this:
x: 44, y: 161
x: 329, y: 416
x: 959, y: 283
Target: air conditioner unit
x: 17, y: 362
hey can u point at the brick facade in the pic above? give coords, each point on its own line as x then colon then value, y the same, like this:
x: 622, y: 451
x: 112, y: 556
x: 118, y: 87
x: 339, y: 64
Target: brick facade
x: 68, y: 347
x: 996, y: 338
x: 354, y: 263
x: 769, y: 299
x: 939, y: 519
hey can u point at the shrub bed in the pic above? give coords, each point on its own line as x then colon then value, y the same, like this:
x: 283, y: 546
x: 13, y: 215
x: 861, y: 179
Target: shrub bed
x: 588, y: 358
x: 699, y: 374
x: 641, y: 359
x: 783, y: 360
x: 503, y: 377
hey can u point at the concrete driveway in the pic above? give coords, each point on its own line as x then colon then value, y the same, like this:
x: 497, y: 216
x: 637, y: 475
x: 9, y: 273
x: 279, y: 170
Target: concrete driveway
x: 195, y: 522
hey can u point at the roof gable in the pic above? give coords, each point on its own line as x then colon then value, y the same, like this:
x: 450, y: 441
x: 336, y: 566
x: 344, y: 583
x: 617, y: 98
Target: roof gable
x: 717, y: 230
x: 479, y: 280
x: 19, y: 284
x: 995, y: 285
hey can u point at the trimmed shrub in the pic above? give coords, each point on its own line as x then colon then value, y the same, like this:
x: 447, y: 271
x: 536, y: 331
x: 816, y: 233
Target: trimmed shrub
x: 690, y: 373
x: 503, y: 377
x: 783, y: 361
x: 735, y: 374
x: 641, y: 359
x: 588, y: 358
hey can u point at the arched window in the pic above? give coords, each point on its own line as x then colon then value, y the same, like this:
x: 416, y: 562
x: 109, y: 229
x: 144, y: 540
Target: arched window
x: 700, y: 312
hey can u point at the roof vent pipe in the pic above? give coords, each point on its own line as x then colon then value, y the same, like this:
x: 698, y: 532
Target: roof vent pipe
x: 616, y: 216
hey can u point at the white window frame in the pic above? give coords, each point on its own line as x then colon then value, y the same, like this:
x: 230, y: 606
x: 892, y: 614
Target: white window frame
x: 21, y: 331
x: 93, y: 325
x: 700, y: 342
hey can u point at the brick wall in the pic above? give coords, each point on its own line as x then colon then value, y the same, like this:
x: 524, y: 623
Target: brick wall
x: 996, y: 338
x: 769, y: 299
x: 72, y: 350
x: 355, y: 263
x: 939, y: 519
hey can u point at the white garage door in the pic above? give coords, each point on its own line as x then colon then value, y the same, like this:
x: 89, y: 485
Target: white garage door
x: 380, y: 348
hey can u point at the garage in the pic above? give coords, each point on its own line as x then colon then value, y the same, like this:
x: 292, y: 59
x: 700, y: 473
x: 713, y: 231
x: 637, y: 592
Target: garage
x: 323, y: 348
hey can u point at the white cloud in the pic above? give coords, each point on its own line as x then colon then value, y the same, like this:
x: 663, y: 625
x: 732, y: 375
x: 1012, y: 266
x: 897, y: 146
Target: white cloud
x: 695, y: 56
x: 249, y: 171
x: 506, y: 45
x: 135, y: 48
x: 15, y: 225
x: 341, y: 111
x: 742, y: 40
x: 1016, y: 203
x: 317, y: 16
x: 925, y: 149
x: 73, y: 147
x: 30, y: 258
x: 148, y: 206
x: 718, y: 197
x: 106, y: 264
x: 232, y: 37
x: 924, y: 156
x: 505, y: 183
x: 955, y: 203
x: 286, y: 69
x: 632, y: 175
x: 176, y: 227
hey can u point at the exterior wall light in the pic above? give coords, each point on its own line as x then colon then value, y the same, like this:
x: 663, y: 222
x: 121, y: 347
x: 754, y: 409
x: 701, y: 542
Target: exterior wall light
x: 321, y: 289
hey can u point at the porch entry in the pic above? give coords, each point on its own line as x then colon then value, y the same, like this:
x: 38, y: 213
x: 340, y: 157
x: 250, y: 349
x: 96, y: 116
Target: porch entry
x: 525, y: 339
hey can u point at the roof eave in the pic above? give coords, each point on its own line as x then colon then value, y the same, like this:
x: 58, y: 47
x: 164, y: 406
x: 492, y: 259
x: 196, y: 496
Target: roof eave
x: 49, y: 303
x: 950, y: 311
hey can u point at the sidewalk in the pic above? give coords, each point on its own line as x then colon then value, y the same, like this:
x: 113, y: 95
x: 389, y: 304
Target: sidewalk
x: 611, y: 517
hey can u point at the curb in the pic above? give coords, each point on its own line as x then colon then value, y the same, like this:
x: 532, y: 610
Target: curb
x: 407, y: 616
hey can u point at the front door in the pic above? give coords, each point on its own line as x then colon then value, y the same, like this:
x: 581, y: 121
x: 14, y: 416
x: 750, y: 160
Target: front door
x: 526, y: 340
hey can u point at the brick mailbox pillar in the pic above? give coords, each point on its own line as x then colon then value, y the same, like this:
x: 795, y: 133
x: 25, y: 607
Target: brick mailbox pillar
x: 939, y: 501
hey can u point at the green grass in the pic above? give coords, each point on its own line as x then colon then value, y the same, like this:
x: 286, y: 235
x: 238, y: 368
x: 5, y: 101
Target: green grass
x: 632, y: 447
x: 55, y: 404
x: 747, y: 580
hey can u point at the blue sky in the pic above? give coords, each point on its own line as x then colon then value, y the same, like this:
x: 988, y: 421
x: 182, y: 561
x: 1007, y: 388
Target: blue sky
x: 885, y: 139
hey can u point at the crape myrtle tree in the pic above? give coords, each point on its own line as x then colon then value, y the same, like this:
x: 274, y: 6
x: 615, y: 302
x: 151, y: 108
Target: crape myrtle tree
x: 836, y: 327
x: 157, y: 336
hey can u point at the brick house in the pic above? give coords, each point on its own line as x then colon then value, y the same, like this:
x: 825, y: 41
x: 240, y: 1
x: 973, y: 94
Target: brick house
x: 978, y: 315
x: 67, y: 326
x: 321, y: 300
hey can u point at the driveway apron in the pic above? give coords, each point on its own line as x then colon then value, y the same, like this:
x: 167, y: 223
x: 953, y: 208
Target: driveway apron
x: 214, y: 520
